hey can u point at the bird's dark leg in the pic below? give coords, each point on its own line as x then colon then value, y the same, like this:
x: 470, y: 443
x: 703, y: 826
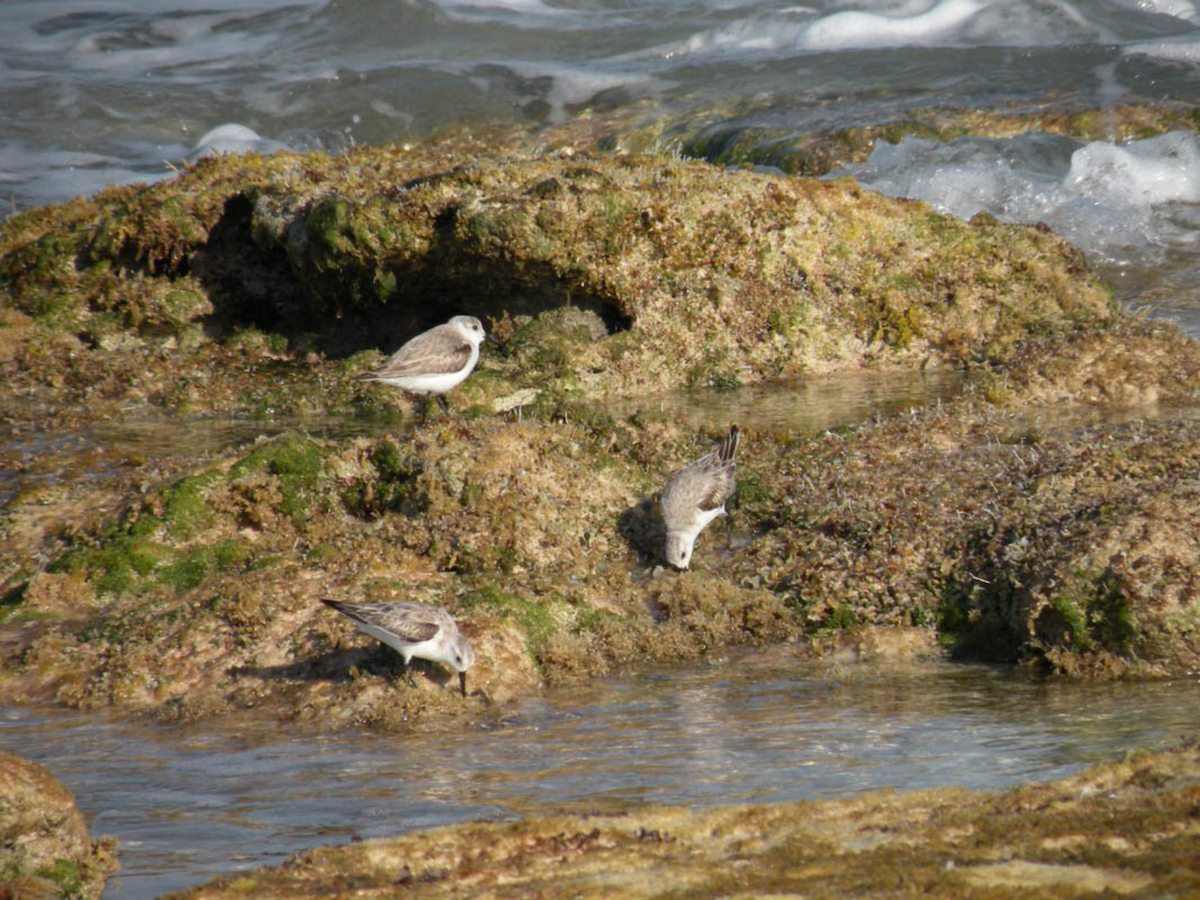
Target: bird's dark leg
x: 441, y: 402
x: 406, y: 671
x: 423, y: 407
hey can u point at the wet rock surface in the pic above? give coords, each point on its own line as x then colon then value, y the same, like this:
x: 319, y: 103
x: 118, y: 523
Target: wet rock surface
x: 756, y: 133
x: 1124, y: 829
x: 45, y: 850
x: 253, y: 285
x: 186, y: 585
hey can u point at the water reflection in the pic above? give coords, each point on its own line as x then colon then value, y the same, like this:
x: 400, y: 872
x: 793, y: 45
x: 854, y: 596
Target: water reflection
x: 190, y: 802
x: 30, y: 457
x: 810, y: 405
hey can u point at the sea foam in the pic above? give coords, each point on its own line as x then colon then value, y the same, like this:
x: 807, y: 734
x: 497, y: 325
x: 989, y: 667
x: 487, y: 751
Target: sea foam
x: 1112, y: 200
x: 232, y: 138
x: 911, y: 23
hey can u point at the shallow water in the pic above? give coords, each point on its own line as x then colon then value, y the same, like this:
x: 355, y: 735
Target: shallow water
x: 30, y: 458
x: 188, y: 803
x: 806, y: 405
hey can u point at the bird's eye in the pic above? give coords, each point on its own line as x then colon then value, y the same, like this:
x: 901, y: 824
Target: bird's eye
x: 458, y: 659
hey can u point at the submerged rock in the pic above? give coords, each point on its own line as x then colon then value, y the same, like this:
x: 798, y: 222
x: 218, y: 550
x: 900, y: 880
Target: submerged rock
x: 755, y: 133
x: 1123, y: 828
x: 45, y: 850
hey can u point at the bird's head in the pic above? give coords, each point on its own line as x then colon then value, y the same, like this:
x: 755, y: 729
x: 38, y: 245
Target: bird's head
x: 470, y: 328
x: 679, y: 549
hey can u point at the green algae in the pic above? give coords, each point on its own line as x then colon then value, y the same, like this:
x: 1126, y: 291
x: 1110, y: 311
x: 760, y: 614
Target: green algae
x: 1097, y: 611
x: 538, y: 621
x: 613, y: 272
x: 46, y: 851
x: 159, y: 542
x: 296, y: 463
x: 395, y: 487
x: 66, y: 877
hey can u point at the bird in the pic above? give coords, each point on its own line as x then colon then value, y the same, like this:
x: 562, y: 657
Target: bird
x: 413, y: 629
x: 694, y: 496
x: 434, y: 361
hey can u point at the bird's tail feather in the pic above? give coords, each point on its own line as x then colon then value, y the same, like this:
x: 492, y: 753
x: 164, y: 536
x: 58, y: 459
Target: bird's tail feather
x: 346, y: 609
x: 730, y: 446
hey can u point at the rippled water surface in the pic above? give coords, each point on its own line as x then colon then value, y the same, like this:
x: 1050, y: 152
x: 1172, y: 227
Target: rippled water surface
x: 188, y: 803
x: 98, y: 92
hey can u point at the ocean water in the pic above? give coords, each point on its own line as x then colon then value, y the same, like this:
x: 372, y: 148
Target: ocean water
x: 92, y: 93
x: 188, y: 803
x: 95, y: 92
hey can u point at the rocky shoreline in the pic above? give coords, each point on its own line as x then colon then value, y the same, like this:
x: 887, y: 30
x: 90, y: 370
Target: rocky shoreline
x: 191, y: 589
x: 184, y: 586
x: 1127, y: 828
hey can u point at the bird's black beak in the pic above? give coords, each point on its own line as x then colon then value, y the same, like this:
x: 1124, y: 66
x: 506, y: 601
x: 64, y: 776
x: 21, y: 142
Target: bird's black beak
x: 462, y: 682
x: 492, y: 339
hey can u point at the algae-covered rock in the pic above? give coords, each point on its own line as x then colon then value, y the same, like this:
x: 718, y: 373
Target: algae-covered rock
x: 44, y: 846
x: 1075, y: 548
x: 603, y: 273
x: 203, y: 595
x: 261, y: 286
x: 1010, y: 540
x: 1127, y: 828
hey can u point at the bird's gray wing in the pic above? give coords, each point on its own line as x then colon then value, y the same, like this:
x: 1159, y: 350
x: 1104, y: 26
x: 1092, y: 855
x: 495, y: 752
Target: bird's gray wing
x: 439, y: 351
x: 720, y: 486
x: 703, y: 486
x: 412, y: 624
x: 714, y: 480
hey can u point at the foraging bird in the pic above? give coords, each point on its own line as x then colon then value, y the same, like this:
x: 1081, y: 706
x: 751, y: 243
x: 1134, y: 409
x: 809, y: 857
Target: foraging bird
x: 695, y: 495
x: 413, y: 629
x: 434, y: 361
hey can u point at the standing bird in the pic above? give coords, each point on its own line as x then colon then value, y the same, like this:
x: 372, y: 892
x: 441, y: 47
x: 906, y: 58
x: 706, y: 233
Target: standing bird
x: 413, y: 629
x: 695, y: 495
x: 434, y: 361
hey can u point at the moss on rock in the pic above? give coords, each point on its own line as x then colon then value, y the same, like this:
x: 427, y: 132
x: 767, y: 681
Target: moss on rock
x: 615, y: 274
x: 44, y: 846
